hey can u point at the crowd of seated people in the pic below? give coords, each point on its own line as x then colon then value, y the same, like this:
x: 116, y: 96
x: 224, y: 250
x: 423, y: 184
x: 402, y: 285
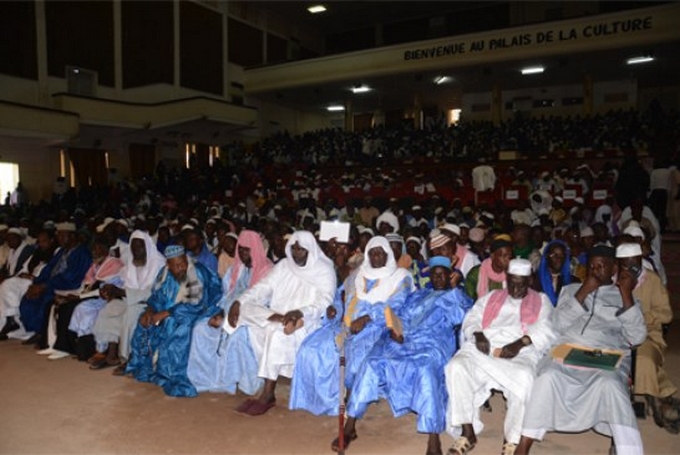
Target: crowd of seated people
x: 199, y: 290
x: 534, y: 136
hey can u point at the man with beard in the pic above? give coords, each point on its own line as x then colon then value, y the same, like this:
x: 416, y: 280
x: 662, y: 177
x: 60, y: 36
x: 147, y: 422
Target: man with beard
x: 183, y: 292
x: 273, y: 318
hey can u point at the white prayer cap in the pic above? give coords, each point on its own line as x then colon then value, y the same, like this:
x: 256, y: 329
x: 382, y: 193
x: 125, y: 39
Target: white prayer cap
x: 634, y: 231
x: 365, y: 230
x: 389, y: 218
x: 233, y: 235
x: 488, y: 215
x: 188, y: 227
x: 438, y: 210
x: 15, y: 230
x: 451, y: 228
x: 545, y: 174
x: 3, y: 227
x: 587, y: 232
x: 67, y: 226
x: 49, y: 224
x: 543, y: 211
x: 578, y: 200
x: 417, y: 207
x: 211, y: 221
x: 519, y: 267
x: 628, y: 250
x: 414, y: 239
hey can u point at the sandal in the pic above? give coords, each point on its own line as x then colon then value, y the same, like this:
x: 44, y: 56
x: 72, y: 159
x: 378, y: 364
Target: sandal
x: 508, y: 448
x: 104, y: 363
x: 461, y: 446
x: 335, y: 445
x: 243, y: 407
x: 258, y: 407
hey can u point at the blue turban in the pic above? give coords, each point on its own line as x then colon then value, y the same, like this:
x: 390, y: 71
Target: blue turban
x: 173, y: 251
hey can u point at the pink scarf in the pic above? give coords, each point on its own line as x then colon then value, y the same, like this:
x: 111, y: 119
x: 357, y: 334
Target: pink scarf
x: 101, y: 272
x: 261, y: 265
x: 487, y: 273
x: 529, y: 309
x: 461, y: 251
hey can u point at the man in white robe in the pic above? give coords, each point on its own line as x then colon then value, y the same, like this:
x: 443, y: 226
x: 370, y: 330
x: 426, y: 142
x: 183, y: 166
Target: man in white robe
x: 598, y: 314
x: 274, y: 316
x: 116, y: 322
x: 506, y: 333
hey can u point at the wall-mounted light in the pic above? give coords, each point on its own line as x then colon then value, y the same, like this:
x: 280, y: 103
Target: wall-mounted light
x: 640, y: 59
x: 361, y: 89
x: 439, y: 80
x: 533, y: 70
x: 335, y: 108
x: 316, y: 9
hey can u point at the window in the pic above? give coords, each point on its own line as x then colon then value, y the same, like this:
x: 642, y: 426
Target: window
x: 9, y: 178
x: 453, y: 115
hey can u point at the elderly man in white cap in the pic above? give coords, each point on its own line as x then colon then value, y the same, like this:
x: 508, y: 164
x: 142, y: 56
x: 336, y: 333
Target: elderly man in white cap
x: 651, y: 379
x: 596, y: 315
x: 506, y: 333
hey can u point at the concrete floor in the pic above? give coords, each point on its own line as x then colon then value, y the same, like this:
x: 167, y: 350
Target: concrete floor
x: 60, y: 407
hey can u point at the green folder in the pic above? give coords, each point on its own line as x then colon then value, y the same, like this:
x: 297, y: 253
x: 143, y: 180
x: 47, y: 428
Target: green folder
x: 590, y: 358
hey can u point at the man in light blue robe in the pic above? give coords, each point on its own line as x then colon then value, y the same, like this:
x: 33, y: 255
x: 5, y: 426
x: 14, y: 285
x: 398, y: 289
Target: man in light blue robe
x: 184, y: 291
x: 378, y: 283
x: 208, y: 361
x: 407, y: 369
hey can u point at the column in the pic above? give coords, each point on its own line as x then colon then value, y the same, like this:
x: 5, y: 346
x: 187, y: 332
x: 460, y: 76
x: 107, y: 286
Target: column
x: 587, y: 95
x: 418, y: 111
x: 117, y: 47
x: 176, y: 43
x: 41, y: 42
x: 496, y: 104
x: 349, y: 116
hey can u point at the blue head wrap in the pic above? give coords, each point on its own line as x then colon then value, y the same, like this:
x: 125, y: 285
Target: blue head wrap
x: 544, y: 275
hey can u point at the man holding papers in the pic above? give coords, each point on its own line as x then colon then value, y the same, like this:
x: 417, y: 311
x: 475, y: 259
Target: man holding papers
x: 598, y: 314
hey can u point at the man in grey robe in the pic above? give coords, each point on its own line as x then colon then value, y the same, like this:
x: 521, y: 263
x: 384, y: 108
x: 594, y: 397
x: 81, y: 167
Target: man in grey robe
x: 598, y: 314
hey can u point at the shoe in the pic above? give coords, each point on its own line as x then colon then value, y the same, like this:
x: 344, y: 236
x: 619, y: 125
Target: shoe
x: 104, y: 363
x: 56, y: 355
x: 10, y: 326
x: 120, y: 370
x: 48, y: 351
x: 35, y: 339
